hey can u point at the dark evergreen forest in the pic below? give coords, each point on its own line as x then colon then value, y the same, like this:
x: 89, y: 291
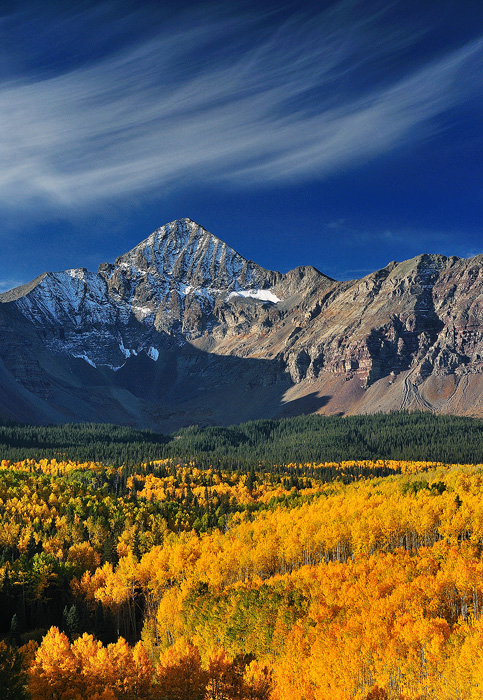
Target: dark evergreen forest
x: 404, y: 436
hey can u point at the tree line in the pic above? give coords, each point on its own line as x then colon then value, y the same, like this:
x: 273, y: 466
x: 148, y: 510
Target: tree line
x: 403, y: 436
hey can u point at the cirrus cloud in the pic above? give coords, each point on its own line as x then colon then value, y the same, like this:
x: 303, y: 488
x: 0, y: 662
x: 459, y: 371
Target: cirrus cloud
x: 283, y: 105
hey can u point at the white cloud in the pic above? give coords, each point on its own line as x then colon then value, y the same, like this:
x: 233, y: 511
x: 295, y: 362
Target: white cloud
x: 10, y: 283
x: 167, y: 112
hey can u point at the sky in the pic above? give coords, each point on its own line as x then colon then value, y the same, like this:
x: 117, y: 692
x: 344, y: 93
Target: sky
x: 341, y: 134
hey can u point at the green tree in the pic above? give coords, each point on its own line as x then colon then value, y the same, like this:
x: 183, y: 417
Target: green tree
x: 72, y: 621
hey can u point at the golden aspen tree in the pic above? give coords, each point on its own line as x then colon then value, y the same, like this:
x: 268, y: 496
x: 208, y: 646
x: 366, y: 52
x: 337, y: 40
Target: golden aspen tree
x: 179, y: 675
x: 54, y: 671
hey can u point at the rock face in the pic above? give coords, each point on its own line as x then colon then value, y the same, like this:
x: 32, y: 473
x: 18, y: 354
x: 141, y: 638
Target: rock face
x: 182, y: 329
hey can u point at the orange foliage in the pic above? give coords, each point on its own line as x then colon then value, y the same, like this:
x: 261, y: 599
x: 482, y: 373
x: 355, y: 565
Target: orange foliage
x: 371, y: 591
x: 179, y: 675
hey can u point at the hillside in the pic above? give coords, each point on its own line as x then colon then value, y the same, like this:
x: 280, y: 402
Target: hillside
x: 183, y: 330
x: 303, y: 439
x: 166, y: 581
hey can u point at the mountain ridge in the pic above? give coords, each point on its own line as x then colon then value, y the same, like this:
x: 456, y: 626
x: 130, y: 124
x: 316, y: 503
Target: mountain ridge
x: 157, y: 338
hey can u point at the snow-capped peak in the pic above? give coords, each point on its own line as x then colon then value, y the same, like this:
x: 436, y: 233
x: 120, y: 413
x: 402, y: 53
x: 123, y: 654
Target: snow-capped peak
x: 171, y: 283
x: 186, y: 252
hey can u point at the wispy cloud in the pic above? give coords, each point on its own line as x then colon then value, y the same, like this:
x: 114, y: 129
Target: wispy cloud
x: 10, y: 283
x: 410, y: 241
x: 275, y: 106
x: 387, y: 245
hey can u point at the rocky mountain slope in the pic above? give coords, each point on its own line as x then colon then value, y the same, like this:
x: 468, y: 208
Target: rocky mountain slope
x: 182, y: 329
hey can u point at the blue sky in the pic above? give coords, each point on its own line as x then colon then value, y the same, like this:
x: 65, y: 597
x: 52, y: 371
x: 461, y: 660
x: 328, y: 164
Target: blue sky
x: 340, y: 134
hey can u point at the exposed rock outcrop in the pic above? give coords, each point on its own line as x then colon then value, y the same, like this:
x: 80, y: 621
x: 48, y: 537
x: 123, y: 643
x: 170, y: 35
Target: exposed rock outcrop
x: 143, y: 340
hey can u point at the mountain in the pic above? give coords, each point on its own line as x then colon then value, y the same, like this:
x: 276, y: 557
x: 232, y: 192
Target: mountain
x: 182, y: 329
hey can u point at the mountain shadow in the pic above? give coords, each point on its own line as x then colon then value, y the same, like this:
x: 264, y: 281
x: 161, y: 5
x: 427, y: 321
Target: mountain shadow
x: 183, y: 386
x: 304, y: 405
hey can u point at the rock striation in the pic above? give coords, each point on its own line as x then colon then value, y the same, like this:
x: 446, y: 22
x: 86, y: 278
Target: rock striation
x: 182, y: 329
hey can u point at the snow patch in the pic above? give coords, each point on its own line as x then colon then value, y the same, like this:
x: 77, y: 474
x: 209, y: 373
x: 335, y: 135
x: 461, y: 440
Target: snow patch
x: 142, y: 311
x: 126, y: 351
x: 153, y: 353
x: 207, y: 293
x: 260, y: 294
x: 87, y: 359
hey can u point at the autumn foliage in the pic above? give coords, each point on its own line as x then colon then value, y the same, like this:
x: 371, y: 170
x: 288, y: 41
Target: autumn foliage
x: 213, y: 585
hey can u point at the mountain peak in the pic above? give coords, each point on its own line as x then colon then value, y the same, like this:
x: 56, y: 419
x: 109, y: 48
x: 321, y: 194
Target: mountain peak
x: 183, y: 326
x: 179, y: 232
x: 185, y: 252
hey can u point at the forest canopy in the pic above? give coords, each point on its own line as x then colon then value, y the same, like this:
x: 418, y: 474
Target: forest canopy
x: 229, y: 570
x: 409, y: 436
